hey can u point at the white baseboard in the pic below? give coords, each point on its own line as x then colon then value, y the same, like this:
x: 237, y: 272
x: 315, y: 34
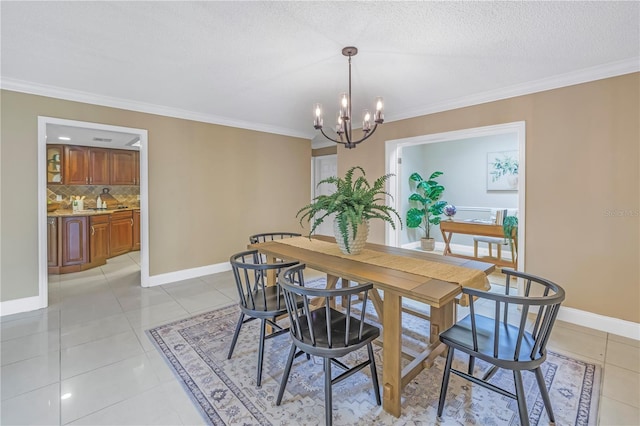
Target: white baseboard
x: 186, y: 274
x: 611, y: 325
x: 17, y: 306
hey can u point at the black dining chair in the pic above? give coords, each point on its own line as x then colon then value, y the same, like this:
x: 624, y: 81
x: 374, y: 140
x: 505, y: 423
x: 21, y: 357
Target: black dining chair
x: 512, y: 334
x: 257, y: 299
x: 271, y: 236
x: 326, y: 332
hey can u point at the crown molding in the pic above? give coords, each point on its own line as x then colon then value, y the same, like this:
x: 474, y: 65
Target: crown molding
x: 94, y: 99
x: 599, y: 72
x: 612, y: 69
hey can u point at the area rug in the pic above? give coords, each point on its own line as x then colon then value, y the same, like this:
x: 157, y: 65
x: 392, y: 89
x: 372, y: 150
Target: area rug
x: 226, y: 394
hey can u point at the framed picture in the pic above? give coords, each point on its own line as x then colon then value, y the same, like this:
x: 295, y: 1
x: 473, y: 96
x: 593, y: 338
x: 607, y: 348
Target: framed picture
x: 502, y: 171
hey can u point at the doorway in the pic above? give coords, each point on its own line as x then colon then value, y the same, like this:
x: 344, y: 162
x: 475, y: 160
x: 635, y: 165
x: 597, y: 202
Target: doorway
x: 43, y: 122
x: 398, y: 191
x: 323, y: 167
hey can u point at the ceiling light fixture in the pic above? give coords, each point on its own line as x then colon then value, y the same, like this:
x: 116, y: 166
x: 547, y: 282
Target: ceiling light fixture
x: 64, y: 138
x: 343, y: 120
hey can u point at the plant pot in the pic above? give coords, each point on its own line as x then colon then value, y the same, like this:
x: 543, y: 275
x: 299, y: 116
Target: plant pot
x: 355, y: 244
x: 428, y: 244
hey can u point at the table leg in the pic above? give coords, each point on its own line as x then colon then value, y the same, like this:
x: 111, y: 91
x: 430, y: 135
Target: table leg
x: 332, y: 281
x: 391, y: 353
x: 271, y: 273
x: 447, y: 241
x: 441, y: 319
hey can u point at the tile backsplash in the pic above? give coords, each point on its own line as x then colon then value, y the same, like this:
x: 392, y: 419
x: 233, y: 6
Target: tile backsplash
x: 127, y: 195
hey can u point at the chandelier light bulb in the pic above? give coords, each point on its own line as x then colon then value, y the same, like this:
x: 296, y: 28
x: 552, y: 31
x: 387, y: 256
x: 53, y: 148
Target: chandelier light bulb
x: 344, y: 106
x: 317, y: 120
x: 366, y: 121
x: 339, y: 125
x: 379, y: 117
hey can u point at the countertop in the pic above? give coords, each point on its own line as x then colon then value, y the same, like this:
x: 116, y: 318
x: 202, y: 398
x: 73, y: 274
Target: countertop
x: 69, y: 212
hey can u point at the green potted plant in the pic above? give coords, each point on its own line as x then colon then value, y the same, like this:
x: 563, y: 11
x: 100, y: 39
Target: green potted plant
x: 508, y: 225
x: 427, y: 194
x: 354, y: 202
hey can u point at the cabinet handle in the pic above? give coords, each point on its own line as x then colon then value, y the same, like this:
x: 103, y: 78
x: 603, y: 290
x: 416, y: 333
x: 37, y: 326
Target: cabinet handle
x: 93, y: 231
x: 86, y: 180
x: 131, y: 222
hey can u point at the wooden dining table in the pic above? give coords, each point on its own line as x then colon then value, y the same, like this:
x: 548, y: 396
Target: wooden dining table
x: 398, y: 273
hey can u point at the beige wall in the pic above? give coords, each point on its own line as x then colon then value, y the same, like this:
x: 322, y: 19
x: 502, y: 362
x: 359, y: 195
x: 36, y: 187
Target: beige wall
x: 583, y: 190
x: 582, y: 205
x: 210, y: 186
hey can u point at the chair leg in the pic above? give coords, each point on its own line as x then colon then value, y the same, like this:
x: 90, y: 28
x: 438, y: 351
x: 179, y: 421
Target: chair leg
x: 285, y: 375
x: 521, y: 398
x: 328, y: 402
x: 545, y: 394
x: 235, y: 335
x: 263, y: 326
x: 374, y: 374
x: 445, y: 381
x: 472, y: 363
x: 475, y: 248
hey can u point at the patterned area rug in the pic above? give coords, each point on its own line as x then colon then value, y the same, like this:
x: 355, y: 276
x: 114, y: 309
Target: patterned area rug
x: 225, y: 392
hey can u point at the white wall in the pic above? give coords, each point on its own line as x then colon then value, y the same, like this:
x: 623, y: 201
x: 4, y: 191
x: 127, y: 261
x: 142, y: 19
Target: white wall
x: 464, y: 164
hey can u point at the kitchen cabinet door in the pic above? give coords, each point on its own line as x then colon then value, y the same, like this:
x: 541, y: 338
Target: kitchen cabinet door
x: 99, y: 237
x: 99, y: 166
x: 121, y: 232
x: 85, y: 165
x: 136, y: 230
x: 52, y: 241
x: 76, y: 165
x: 75, y: 250
x: 123, y: 167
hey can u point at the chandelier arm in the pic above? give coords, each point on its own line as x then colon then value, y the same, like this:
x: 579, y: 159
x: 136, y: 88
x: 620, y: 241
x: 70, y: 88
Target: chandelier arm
x: 330, y: 138
x: 367, y: 136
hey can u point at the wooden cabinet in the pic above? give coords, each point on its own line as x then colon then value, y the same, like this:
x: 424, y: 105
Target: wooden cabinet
x: 52, y: 241
x: 99, y: 237
x: 123, y: 167
x: 54, y: 164
x: 85, y: 165
x: 99, y: 166
x: 136, y: 230
x: 76, y: 243
x: 121, y: 232
x: 75, y: 248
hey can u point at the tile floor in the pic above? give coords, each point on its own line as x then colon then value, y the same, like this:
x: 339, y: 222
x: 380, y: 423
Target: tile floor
x: 86, y: 359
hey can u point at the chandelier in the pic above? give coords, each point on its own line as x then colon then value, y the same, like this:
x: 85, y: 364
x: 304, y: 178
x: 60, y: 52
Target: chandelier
x: 344, y: 117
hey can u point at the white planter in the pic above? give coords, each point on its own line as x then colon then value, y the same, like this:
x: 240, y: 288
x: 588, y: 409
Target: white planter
x: 428, y: 244
x: 355, y: 244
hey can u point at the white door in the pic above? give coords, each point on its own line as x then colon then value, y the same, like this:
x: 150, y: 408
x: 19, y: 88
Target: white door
x: 324, y: 167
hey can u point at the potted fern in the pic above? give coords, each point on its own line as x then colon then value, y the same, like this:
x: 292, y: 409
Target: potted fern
x: 427, y: 195
x: 354, y: 202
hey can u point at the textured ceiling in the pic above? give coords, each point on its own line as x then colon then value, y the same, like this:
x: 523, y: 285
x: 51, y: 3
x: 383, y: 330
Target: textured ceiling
x: 262, y: 65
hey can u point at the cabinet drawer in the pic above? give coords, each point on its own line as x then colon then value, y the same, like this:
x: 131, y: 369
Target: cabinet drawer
x: 102, y: 218
x: 127, y: 214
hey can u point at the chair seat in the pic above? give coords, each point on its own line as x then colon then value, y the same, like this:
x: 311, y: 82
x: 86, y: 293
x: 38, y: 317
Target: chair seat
x: 490, y: 240
x: 460, y: 337
x: 322, y: 347
x: 264, y: 304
